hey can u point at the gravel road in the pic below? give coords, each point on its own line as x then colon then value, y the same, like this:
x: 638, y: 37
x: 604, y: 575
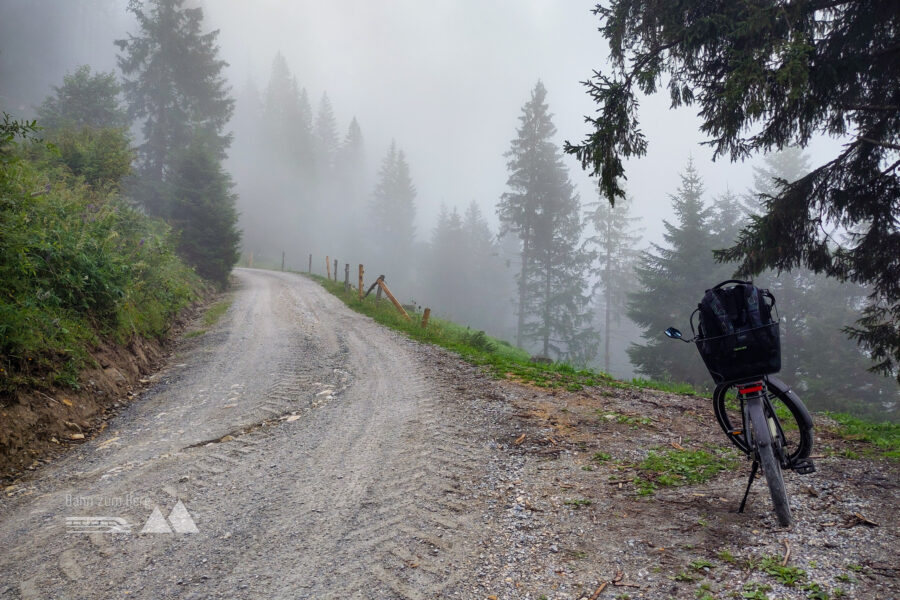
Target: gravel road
x: 319, y: 455
x: 305, y: 443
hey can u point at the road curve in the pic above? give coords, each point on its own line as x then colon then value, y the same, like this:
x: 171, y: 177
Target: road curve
x: 308, y: 445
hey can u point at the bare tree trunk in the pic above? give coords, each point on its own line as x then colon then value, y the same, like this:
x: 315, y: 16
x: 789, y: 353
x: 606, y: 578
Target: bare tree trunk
x: 523, y: 281
x: 547, y: 275
x: 608, y: 297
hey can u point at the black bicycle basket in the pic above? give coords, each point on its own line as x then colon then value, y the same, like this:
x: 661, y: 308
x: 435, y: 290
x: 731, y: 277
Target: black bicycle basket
x: 738, y: 339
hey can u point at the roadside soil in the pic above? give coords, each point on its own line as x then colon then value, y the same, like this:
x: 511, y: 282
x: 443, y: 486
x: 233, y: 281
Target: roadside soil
x: 37, y: 425
x: 320, y: 455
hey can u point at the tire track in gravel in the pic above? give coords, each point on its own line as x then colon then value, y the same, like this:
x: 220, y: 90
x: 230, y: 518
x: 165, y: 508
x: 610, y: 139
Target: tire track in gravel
x: 313, y: 448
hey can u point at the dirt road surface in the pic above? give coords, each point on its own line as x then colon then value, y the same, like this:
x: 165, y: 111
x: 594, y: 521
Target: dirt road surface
x: 305, y: 443
x: 299, y: 450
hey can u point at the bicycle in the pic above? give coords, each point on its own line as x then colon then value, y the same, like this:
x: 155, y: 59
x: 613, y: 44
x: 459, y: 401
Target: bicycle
x: 746, y: 405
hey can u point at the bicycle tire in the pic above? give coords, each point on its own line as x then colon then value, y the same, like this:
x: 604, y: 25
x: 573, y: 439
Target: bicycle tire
x: 776, y: 389
x: 770, y: 465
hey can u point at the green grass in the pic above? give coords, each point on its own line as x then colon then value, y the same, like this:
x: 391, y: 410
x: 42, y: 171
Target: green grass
x: 215, y: 312
x: 498, y: 357
x: 680, y: 467
x: 505, y: 361
x: 578, y: 502
x: 885, y: 437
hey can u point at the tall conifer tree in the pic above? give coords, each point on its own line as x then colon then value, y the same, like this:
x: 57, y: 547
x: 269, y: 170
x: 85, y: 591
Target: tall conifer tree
x: 173, y: 83
x: 672, y: 278
x: 543, y: 210
x: 614, y: 240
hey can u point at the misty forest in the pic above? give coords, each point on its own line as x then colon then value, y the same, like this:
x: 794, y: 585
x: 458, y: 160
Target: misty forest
x: 558, y: 196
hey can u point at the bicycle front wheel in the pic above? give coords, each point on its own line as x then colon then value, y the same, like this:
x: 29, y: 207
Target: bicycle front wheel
x: 765, y: 449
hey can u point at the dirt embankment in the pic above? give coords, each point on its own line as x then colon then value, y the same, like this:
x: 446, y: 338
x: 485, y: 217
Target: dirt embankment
x: 36, y: 425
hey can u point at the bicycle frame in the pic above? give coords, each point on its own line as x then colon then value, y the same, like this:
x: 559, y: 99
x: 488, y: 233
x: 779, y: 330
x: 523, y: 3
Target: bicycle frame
x: 756, y: 392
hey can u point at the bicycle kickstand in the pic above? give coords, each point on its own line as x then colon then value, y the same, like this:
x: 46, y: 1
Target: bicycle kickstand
x: 753, y: 471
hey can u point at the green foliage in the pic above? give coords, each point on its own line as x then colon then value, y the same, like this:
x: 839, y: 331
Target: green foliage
x: 10, y: 131
x: 884, y: 436
x: 84, y: 100
x: 77, y: 263
x: 830, y: 69
x: 684, y: 467
x: 102, y: 157
x: 202, y: 211
x: 756, y: 591
x: 478, y: 340
x: 543, y: 210
x: 785, y: 575
x: 601, y: 456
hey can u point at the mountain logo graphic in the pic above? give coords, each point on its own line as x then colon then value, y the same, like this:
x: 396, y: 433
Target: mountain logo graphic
x: 180, y: 520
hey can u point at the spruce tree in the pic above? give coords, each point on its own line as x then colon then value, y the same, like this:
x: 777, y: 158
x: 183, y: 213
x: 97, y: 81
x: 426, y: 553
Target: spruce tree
x: 173, y: 84
x: 448, y: 264
x: 351, y: 186
x: 765, y: 75
x: 203, y: 211
x: 393, y: 212
x: 543, y: 210
x: 615, y: 242
x: 325, y: 139
x: 672, y: 279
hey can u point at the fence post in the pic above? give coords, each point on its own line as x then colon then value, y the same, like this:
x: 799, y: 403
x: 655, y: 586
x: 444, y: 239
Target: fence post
x: 309, y: 270
x: 425, y: 317
x: 346, y: 277
x: 328, y: 266
x: 282, y: 260
x: 396, y: 302
x: 335, y: 269
x: 361, y: 271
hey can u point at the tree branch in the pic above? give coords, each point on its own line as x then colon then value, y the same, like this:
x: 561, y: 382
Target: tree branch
x: 879, y: 143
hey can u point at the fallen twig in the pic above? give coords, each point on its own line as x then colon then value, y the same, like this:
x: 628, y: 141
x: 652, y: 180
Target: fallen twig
x: 787, y: 554
x: 599, y: 589
x: 519, y: 439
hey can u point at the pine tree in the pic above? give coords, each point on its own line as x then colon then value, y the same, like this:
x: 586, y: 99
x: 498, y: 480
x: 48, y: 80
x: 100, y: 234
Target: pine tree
x: 325, y: 139
x: 543, y: 209
x: 393, y: 212
x: 351, y: 185
x: 615, y: 241
x: 173, y: 84
x: 672, y: 279
x: 202, y: 210
x: 448, y: 265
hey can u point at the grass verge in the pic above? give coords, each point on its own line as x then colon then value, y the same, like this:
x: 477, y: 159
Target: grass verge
x: 505, y: 361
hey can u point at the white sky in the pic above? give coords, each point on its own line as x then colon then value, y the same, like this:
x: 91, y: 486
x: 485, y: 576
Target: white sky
x: 447, y: 80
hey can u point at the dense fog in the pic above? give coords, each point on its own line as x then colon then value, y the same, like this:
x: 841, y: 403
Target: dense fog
x: 395, y: 136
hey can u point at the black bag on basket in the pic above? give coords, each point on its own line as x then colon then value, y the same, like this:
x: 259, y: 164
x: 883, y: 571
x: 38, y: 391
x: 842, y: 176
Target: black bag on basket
x: 738, y: 339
